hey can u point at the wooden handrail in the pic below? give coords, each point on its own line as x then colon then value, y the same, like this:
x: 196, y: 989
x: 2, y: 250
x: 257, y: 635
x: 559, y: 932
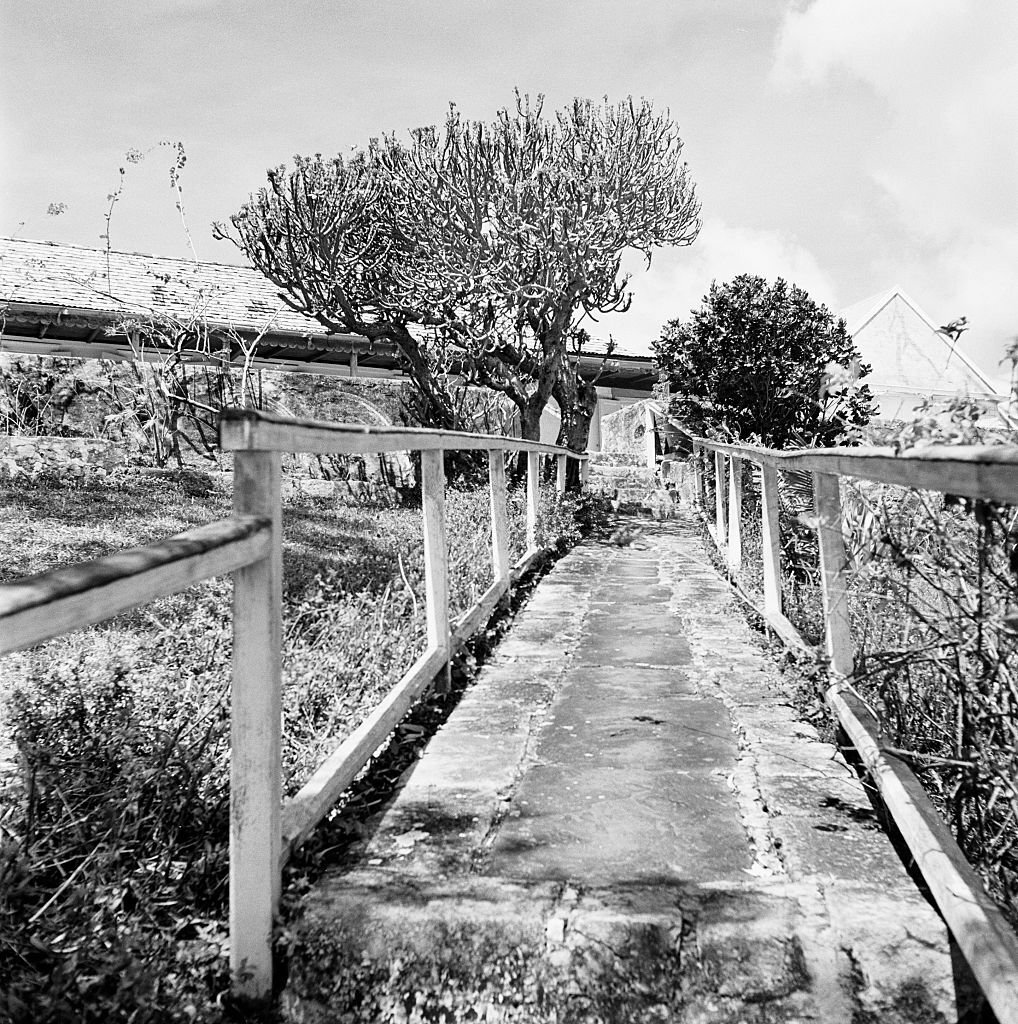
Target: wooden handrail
x: 37, y: 608
x: 974, y: 471
x: 247, y: 429
x: 987, y: 472
x: 249, y: 545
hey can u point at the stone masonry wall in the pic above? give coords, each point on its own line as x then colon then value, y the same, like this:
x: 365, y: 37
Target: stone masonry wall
x: 73, y: 458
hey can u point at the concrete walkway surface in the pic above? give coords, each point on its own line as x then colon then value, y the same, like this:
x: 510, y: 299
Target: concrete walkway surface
x: 624, y: 820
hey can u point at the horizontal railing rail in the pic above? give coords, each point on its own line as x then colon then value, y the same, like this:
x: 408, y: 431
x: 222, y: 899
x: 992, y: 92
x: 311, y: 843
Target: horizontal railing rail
x: 263, y: 832
x: 40, y: 607
x: 982, y: 934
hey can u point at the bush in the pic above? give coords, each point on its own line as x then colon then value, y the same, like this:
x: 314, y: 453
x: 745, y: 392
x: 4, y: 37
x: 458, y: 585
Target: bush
x: 765, y: 363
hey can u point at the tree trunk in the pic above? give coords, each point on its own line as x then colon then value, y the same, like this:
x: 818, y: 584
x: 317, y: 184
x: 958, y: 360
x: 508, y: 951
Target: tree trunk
x: 530, y: 423
x: 577, y: 402
x: 435, y: 407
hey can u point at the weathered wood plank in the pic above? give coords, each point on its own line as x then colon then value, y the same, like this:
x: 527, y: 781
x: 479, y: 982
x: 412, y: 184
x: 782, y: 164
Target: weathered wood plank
x: 40, y: 607
x: 649, y: 437
x: 245, y: 429
x: 499, y: 521
x: 698, y: 475
x: 436, y: 550
x: 525, y: 563
x: 975, y: 471
x: 982, y: 934
x: 255, y: 727
x: 833, y: 572
x: 771, y: 553
x: 786, y: 632
x: 317, y: 796
x: 720, y: 504
x: 533, y: 497
x: 735, y: 514
x: 472, y: 619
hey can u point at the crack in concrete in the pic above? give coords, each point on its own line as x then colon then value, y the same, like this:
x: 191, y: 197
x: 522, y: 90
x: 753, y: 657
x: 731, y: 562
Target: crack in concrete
x: 767, y: 861
x: 527, y: 758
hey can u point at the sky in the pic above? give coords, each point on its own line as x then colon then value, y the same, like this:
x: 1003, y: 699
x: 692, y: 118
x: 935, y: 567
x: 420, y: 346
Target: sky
x: 847, y: 146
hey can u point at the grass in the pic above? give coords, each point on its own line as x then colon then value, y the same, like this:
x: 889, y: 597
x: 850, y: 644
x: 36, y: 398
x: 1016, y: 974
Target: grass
x: 113, y: 815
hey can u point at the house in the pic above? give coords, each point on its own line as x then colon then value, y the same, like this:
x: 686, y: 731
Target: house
x: 913, y: 359
x: 74, y: 302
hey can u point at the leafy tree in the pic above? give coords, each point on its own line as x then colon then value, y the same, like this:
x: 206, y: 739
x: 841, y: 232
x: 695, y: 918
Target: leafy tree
x: 478, y: 248
x: 764, y: 362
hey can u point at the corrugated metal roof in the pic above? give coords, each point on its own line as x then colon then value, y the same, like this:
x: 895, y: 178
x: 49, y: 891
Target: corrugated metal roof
x: 50, y: 291
x: 55, y: 274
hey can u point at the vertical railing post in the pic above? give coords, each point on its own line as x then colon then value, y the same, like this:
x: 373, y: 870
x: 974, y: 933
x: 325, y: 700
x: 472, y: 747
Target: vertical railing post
x: 771, y: 553
x: 735, y: 514
x: 560, y: 474
x: 584, y: 471
x: 833, y: 572
x: 255, y: 726
x: 720, y: 479
x: 436, y: 556
x: 533, y: 497
x: 499, y: 521
x: 698, y: 490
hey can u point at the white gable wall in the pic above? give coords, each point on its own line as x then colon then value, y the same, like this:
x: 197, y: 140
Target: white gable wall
x: 911, y: 359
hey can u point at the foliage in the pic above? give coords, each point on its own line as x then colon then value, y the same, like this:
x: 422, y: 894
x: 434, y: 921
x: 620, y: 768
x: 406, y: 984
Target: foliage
x: 491, y: 240
x: 113, y: 816
x: 765, y: 363
x: 568, y: 518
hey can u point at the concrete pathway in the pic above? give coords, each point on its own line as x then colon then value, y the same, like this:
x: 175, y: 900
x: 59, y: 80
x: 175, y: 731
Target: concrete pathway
x: 624, y: 820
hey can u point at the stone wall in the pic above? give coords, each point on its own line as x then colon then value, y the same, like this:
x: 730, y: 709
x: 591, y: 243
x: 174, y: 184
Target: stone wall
x: 625, y: 430
x: 66, y: 458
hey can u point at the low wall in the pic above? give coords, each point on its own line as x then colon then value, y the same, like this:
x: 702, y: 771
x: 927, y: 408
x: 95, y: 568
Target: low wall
x: 67, y: 458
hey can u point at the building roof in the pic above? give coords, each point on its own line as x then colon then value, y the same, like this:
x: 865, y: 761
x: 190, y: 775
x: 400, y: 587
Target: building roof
x: 68, y: 300
x: 909, y: 352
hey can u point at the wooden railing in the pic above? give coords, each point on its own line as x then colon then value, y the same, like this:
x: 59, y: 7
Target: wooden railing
x: 990, y: 473
x: 263, y: 832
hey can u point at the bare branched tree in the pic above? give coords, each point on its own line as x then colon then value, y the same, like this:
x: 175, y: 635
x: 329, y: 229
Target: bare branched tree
x: 494, y: 241
x: 324, y: 234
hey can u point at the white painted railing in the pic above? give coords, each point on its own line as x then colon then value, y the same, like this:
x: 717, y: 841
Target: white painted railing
x: 990, y: 473
x: 263, y: 833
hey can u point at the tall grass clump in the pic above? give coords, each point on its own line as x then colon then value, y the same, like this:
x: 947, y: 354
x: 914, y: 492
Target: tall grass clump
x: 935, y: 611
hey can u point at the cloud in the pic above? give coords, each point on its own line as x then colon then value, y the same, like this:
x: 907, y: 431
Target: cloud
x: 947, y: 71
x: 680, y: 278
x: 948, y: 159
